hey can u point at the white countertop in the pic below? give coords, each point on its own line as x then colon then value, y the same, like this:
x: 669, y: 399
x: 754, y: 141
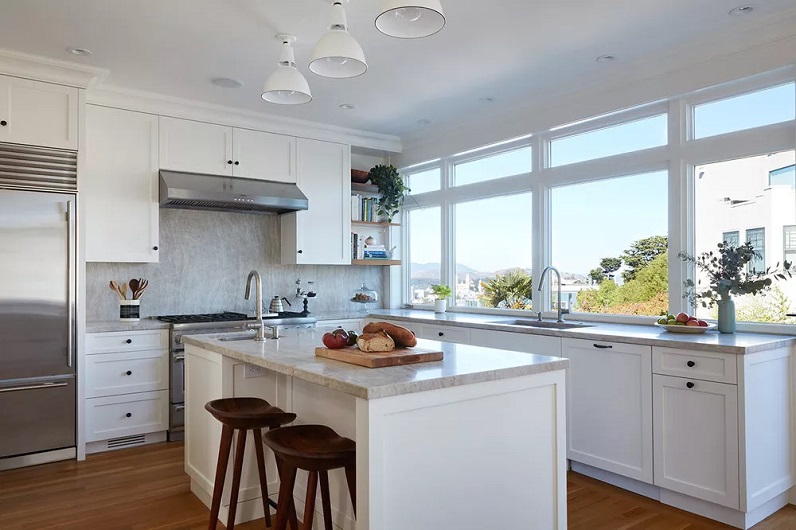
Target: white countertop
x: 650, y: 335
x: 145, y: 324
x: 293, y: 354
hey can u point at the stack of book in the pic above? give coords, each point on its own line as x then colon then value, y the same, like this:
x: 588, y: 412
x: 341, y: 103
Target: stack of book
x: 364, y: 208
x: 359, y: 250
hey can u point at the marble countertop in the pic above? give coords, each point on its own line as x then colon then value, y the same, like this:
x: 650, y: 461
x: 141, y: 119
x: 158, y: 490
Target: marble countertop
x: 100, y: 326
x: 650, y: 335
x: 293, y: 354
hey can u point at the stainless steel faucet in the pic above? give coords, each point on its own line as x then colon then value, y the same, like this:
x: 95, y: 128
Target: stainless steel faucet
x: 258, y: 312
x: 541, y: 283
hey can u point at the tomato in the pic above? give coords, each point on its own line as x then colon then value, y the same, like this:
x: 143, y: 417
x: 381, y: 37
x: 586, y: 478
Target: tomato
x: 335, y: 339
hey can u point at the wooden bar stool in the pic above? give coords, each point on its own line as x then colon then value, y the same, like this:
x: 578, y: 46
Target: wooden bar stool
x: 316, y: 449
x: 242, y: 414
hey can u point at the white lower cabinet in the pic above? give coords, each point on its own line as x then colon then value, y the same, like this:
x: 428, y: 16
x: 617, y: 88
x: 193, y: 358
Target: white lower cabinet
x: 609, y: 406
x: 456, y: 334
x: 127, y: 389
x: 696, y: 438
x: 522, y: 342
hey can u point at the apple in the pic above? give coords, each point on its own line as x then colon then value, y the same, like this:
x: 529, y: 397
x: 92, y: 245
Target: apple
x: 682, y: 317
x: 335, y: 339
x: 692, y: 323
x: 703, y: 323
x: 692, y: 318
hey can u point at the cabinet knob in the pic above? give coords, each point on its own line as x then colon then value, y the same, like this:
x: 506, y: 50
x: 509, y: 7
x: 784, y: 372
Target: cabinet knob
x: 229, y: 162
x: 155, y: 247
x: 300, y: 251
x: 689, y: 385
x: 690, y: 364
x: 3, y: 123
x: 441, y: 334
x: 129, y: 341
x: 128, y: 415
x: 237, y: 163
x: 128, y: 372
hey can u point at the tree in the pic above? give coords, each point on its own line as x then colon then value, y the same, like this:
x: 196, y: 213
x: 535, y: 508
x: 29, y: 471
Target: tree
x: 511, y: 289
x: 641, y: 253
x: 610, y: 265
x: 597, y: 275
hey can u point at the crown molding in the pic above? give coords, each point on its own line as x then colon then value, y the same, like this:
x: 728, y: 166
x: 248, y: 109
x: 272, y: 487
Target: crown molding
x: 162, y: 105
x: 40, y: 68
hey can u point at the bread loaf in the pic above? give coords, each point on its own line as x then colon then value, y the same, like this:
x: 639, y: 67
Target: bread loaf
x: 375, y: 342
x: 403, y: 337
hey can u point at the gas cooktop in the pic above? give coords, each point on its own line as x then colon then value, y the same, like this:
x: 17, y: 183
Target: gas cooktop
x: 206, y: 317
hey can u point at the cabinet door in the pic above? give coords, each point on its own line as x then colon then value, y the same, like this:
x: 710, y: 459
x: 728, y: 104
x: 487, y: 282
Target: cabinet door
x: 320, y: 235
x: 696, y: 438
x: 195, y: 147
x: 262, y: 155
x: 119, y: 186
x: 523, y: 342
x: 609, y: 406
x: 38, y: 113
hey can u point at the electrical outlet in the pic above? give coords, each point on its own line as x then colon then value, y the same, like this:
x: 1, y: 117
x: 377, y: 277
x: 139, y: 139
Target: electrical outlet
x: 253, y: 370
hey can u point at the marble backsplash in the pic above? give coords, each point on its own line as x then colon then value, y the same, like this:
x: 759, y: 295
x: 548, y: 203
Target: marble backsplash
x: 205, y: 258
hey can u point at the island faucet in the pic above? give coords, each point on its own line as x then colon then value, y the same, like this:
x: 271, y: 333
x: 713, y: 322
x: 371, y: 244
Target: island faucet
x: 541, y: 283
x: 258, y: 282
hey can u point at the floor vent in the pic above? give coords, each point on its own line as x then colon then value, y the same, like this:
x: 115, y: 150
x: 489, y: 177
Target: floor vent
x: 126, y: 441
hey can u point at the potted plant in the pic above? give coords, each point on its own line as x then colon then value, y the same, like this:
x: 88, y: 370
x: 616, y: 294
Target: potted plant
x: 442, y: 292
x: 391, y: 188
x: 728, y: 274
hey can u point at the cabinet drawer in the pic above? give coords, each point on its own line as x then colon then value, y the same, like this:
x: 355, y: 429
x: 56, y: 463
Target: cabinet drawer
x: 444, y: 333
x: 110, y: 374
x: 115, y: 416
x: 124, y: 341
x: 522, y: 342
x: 707, y: 366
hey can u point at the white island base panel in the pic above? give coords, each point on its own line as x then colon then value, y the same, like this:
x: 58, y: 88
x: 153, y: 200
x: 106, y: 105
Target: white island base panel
x: 482, y: 455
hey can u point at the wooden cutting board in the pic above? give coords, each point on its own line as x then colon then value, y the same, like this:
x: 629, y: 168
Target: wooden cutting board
x: 396, y: 357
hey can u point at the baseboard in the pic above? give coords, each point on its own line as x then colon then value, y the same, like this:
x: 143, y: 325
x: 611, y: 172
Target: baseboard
x: 630, y: 484
x: 15, y: 462
x: 123, y: 442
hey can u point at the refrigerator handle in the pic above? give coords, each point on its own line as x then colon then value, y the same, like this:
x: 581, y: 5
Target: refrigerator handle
x: 32, y: 387
x: 70, y: 303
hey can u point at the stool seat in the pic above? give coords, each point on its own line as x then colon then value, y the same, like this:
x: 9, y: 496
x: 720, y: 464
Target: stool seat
x: 248, y: 413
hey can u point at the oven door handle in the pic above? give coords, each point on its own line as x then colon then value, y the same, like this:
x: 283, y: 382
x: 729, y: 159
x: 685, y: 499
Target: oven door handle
x: 179, y: 357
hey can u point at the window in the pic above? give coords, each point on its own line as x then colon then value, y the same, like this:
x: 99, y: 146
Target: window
x: 609, y: 240
x: 505, y: 164
x: 493, y: 252
x: 789, y: 245
x: 424, y: 181
x: 757, y: 237
x: 424, y: 253
x: 731, y: 238
x: 614, y: 140
x: 784, y: 176
x: 764, y: 107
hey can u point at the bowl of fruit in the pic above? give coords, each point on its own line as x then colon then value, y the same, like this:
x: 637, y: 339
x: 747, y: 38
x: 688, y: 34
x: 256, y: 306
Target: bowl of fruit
x: 683, y: 323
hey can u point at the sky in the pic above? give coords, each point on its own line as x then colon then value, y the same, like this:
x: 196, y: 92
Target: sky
x: 589, y: 221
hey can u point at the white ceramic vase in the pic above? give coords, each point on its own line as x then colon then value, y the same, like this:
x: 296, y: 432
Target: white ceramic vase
x: 440, y: 306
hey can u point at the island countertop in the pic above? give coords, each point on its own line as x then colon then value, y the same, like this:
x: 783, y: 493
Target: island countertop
x: 293, y: 354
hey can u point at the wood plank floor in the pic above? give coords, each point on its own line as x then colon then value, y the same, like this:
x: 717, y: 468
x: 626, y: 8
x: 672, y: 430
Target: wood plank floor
x: 146, y: 488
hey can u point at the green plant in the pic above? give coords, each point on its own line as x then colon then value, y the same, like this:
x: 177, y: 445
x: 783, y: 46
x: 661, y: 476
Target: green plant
x: 392, y: 189
x: 441, y: 291
x: 512, y: 289
x: 728, y: 274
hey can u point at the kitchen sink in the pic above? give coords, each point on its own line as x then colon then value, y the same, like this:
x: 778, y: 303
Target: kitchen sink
x: 545, y: 324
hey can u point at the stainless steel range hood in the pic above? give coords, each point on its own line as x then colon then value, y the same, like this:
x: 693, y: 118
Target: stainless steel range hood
x: 196, y: 191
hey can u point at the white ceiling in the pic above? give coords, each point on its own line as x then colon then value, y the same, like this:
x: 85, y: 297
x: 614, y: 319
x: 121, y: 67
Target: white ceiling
x: 506, y: 49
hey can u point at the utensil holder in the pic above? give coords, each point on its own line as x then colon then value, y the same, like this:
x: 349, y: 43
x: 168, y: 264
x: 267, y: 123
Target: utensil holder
x: 129, y: 310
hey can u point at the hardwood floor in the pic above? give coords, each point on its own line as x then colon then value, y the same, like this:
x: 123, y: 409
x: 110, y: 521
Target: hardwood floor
x: 146, y: 488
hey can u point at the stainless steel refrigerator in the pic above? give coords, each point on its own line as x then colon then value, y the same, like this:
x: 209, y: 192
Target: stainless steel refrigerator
x: 37, y: 326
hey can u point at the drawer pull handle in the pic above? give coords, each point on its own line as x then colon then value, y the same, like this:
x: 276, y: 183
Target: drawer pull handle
x: 441, y: 334
x: 128, y: 372
x: 689, y: 384
x: 602, y: 346
x: 128, y: 415
x: 690, y: 364
x: 129, y: 341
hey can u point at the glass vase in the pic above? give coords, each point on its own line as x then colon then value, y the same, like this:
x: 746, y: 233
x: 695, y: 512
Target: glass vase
x: 726, y: 315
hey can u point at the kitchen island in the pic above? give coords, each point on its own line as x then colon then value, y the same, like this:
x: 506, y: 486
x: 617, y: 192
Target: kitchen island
x: 476, y: 440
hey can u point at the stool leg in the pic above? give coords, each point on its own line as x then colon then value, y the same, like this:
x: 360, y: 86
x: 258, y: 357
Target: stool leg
x: 221, y: 474
x: 258, y: 449
x: 236, y: 472
x: 309, y: 502
x: 351, y: 478
x: 285, y: 504
x: 327, y: 505
x: 292, y: 517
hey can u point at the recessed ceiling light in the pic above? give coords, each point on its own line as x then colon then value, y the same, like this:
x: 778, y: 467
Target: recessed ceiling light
x: 226, y: 82
x: 79, y: 51
x: 486, y: 100
x: 423, y: 122
x: 742, y: 10
x: 605, y: 58
x: 346, y: 106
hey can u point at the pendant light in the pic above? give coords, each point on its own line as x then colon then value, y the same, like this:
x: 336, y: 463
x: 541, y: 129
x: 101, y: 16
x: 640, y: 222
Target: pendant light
x: 410, y: 20
x: 338, y: 54
x: 286, y: 86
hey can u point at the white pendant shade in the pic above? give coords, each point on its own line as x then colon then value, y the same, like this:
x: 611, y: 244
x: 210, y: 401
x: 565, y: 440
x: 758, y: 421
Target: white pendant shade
x: 338, y: 54
x: 286, y: 85
x: 410, y: 19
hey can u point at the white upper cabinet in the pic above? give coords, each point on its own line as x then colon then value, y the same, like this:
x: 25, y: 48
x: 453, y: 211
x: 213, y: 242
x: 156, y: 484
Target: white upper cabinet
x: 262, y: 155
x: 198, y: 147
x: 320, y: 235
x: 37, y: 113
x: 195, y: 147
x: 119, y: 186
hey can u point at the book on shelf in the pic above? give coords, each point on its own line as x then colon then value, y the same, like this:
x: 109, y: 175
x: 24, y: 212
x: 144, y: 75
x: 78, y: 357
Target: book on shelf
x: 364, y: 209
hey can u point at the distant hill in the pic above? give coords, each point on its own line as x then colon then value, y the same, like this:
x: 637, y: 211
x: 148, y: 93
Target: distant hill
x: 431, y: 271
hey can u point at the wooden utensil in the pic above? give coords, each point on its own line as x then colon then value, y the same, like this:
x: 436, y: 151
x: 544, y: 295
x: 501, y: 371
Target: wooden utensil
x: 115, y: 288
x: 142, y: 284
x: 134, y: 286
x: 123, y: 290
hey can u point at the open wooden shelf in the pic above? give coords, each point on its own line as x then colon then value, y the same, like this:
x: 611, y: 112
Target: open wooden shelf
x: 374, y: 223
x: 364, y: 188
x: 375, y: 262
